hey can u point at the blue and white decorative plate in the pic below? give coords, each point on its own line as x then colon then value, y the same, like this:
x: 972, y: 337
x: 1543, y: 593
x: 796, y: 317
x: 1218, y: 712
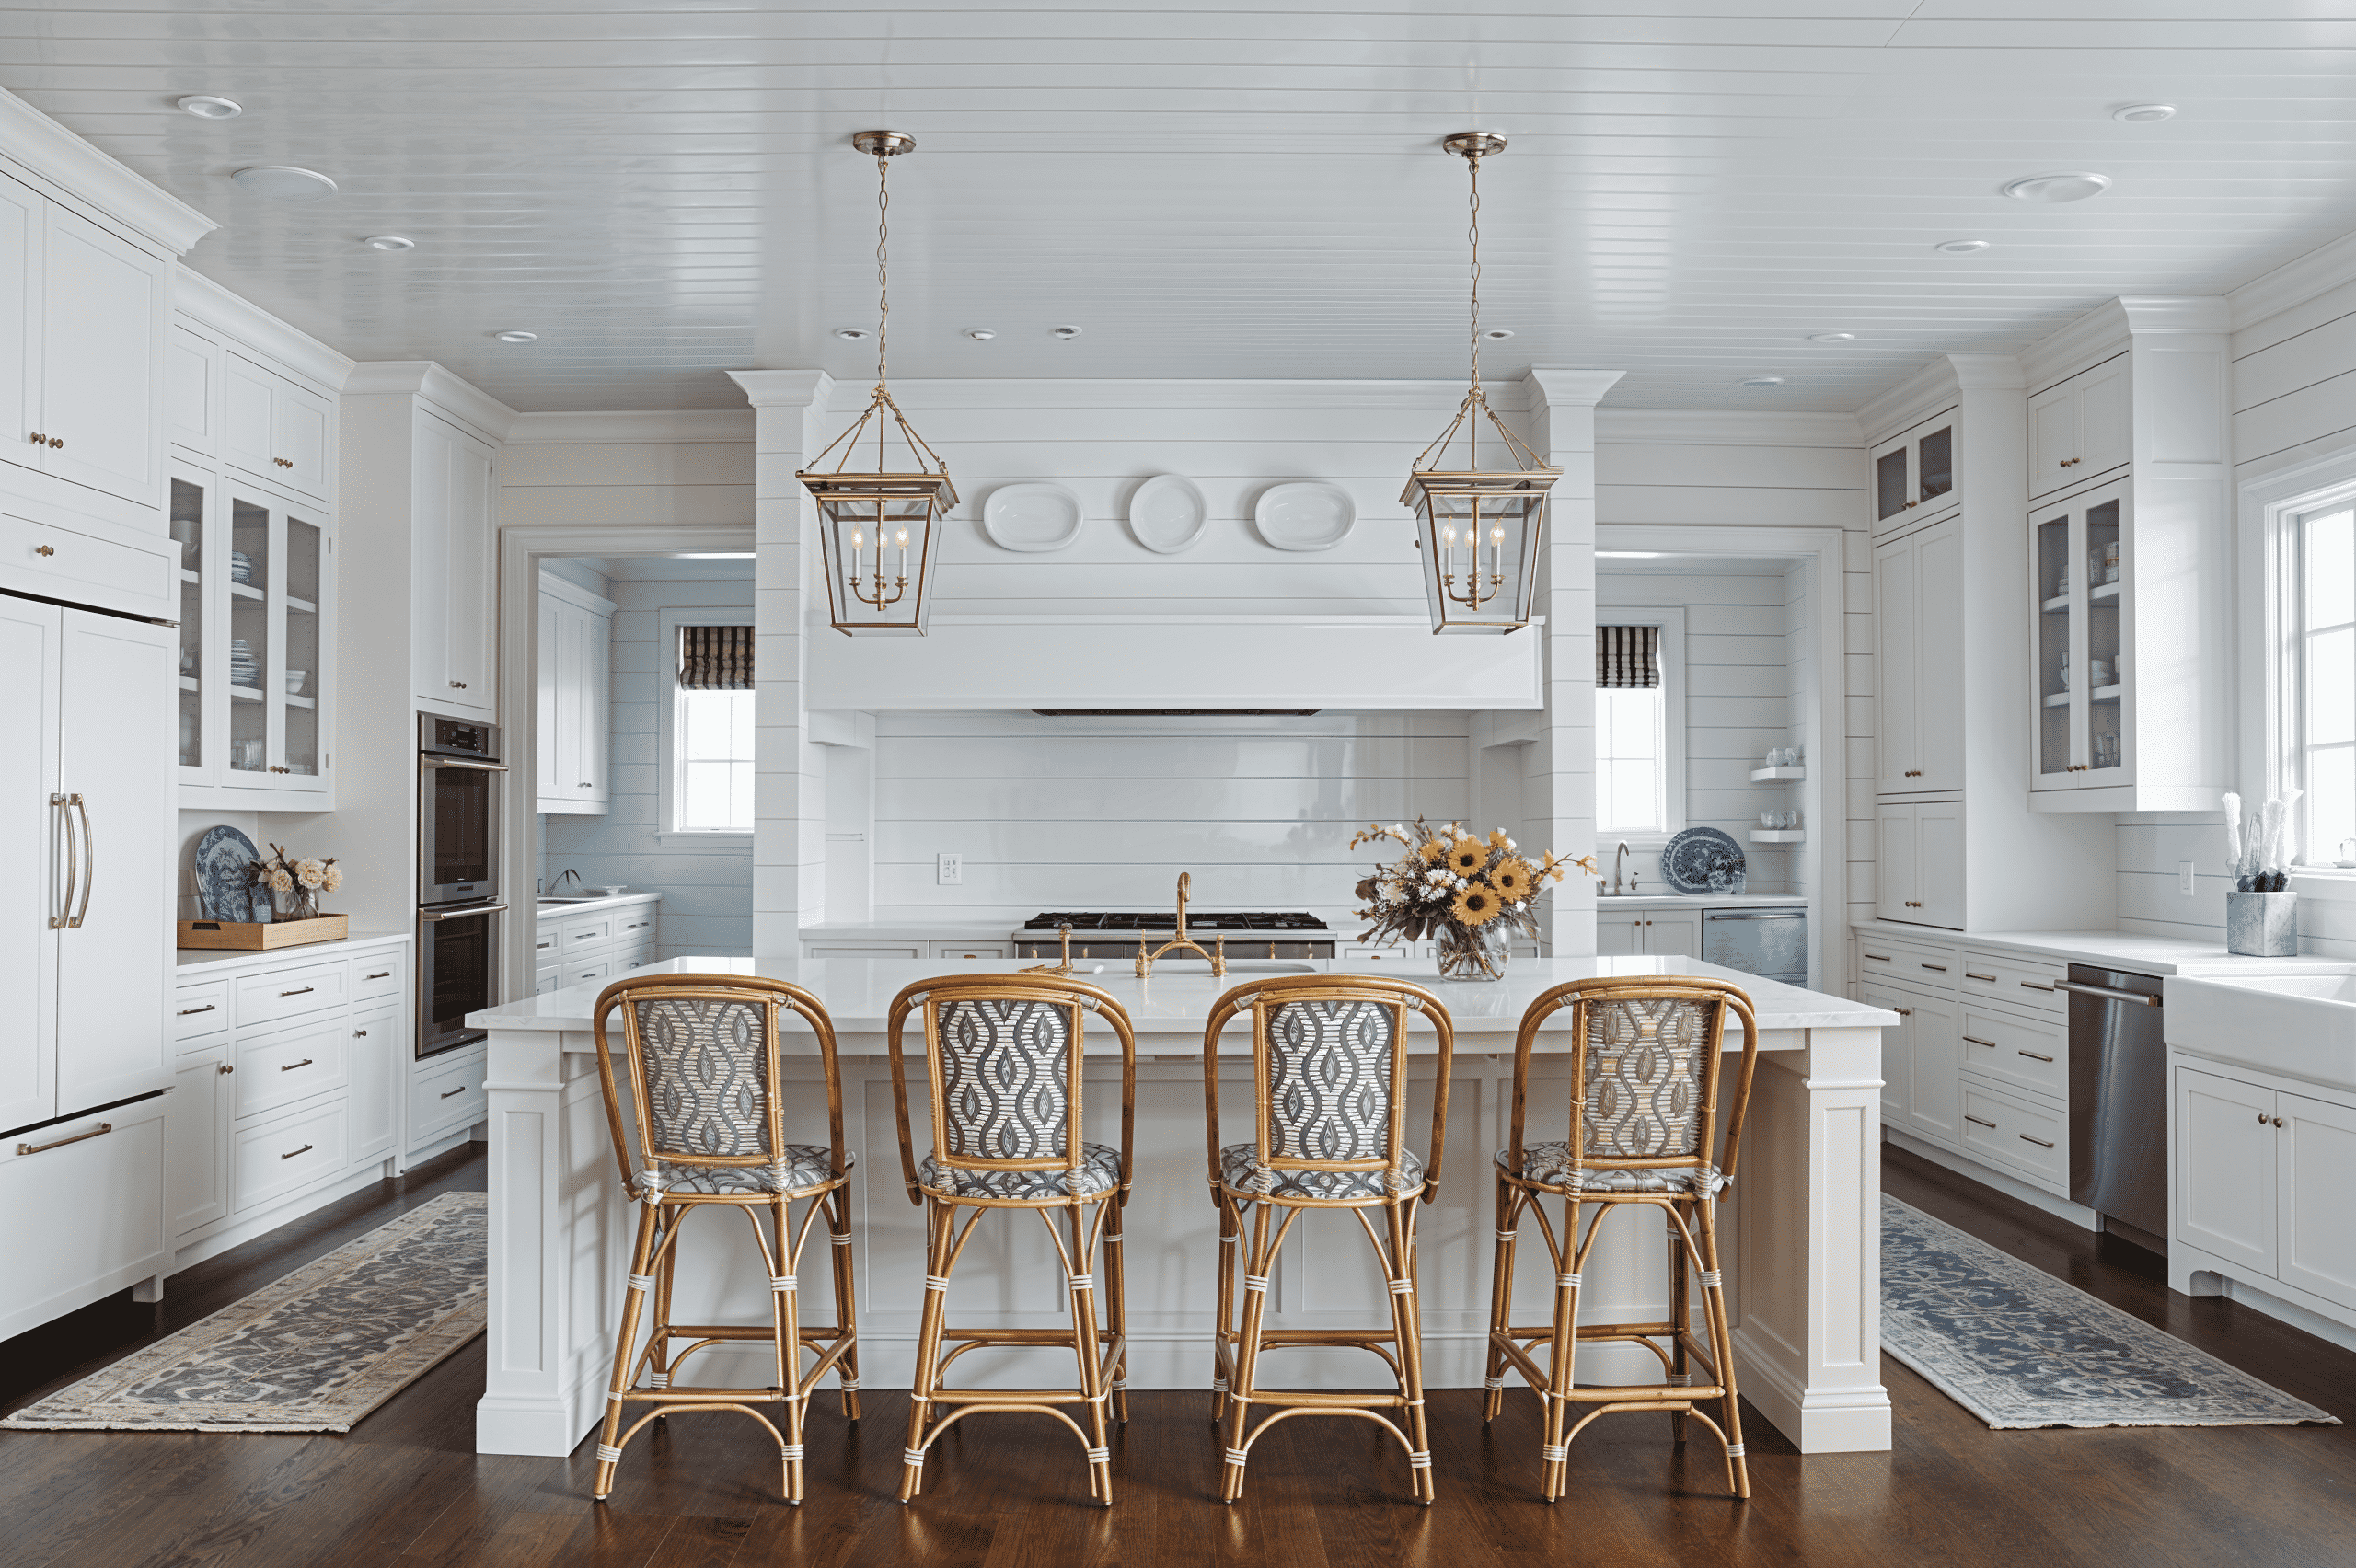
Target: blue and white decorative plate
x: 1702, y: 859
x: 224, y: 860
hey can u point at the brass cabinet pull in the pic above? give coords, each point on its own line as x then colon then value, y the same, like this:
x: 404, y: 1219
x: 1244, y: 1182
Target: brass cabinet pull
x: 2033, y: 986
x: 360, y: 1034
x: 44, y: 549
x: 1910, y: 506
x: 380, y: 974
x: 304, y: 992
x: 1878, y: 957
x: 2039, y: 1142
x: 191, y: 1012
x: 227, y: 1068
x: 2035, y: 1057
x: 303, y: 1063
x: 1903, y: 1012
x: 457, y: 685
x: 100, y: 1131
x: 304, y: 1150
x: 64, y: 917
x: 460, y: 1089
x: 1968, y: 974
x: 89, y: 862
x: 1914, y: 773
x: 1978, y: 1122
x: 1968, y: 1039
x: 1913, y: 903
x: 1940, y: 967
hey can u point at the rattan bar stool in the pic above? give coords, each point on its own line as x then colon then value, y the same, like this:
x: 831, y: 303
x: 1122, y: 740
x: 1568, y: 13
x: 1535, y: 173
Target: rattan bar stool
x: 1644, y: 1131
x: 1003, y: 1055
x: 695, y: 1101
x: 1329, y: 1069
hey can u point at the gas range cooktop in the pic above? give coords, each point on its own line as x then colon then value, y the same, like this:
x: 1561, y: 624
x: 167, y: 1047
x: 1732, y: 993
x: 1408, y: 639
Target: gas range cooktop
x: 1196, y: 921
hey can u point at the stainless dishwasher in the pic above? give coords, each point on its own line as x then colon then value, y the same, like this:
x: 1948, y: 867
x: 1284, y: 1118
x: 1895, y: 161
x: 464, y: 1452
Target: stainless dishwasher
x: 1770, y: 943
x: 2118, y: 1102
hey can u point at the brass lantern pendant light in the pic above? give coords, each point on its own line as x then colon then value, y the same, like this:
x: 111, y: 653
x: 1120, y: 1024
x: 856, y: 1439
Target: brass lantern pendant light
x: 1478, y: 529
x: 878, y: 527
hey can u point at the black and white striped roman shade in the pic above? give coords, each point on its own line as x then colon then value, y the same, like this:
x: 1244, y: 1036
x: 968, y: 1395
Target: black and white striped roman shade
x: 1627, y: 657
x: 715, y: 658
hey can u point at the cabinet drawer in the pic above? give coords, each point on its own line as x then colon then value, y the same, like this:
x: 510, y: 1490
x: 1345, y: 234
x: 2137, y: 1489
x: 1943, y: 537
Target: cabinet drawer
x: 579, y: 934
x: 289, y: 993
x: 882, y: 950
x: 279, y: 1069
x: 968, y: 950
x: 377, y: 976
x: 200, y: 1012
x: 543, y: 980
x: 445, y: 1098
x: 547, y: 941
x: 634, y: 926
x: 2014, y: 981
x: 2020, y: 1052
x: 89, y: 570
x: 2015, y: 1133
x: 584, y: 971
x: 1369, y: 952
x: 83, y: 1211
x: 626, y: 959
x: 1932, y: 968
x: 279, y: 1156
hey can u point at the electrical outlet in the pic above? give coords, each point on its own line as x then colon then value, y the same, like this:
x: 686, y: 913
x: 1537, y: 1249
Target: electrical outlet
x: 950, y: 871
x: 2184, y: 878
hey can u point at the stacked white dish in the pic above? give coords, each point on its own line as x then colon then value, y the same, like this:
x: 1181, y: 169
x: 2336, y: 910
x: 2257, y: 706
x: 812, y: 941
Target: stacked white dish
x: 245, y: 670
x: 241, y: 567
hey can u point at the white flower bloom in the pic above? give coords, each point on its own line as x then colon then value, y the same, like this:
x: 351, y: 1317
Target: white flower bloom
x: 1437, y: 876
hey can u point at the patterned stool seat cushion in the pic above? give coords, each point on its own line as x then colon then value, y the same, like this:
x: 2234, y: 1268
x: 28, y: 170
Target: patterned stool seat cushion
x: 1550, y: 1163
x: 1240, y: 1171
x: 806, y: 1166
x: 1100, y: 1171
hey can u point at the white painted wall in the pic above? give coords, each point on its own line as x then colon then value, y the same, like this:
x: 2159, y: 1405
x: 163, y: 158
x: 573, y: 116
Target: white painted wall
x: 1801, y: 687
x: 1105, y: 813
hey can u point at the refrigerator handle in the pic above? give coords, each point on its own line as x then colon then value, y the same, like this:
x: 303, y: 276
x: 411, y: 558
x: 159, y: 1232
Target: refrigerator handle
x: 63, y: 918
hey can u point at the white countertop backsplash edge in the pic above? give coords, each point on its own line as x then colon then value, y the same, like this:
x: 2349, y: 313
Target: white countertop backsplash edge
x: 192, y: 961
x: 2117, y: 949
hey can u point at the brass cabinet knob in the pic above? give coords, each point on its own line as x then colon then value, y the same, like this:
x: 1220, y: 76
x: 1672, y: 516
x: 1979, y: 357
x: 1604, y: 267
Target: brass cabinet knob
x: 44, y: 549
x: 2278, y: 1121
x: 38, y: 439
x: 457, y: 685
x: 227, y: 1068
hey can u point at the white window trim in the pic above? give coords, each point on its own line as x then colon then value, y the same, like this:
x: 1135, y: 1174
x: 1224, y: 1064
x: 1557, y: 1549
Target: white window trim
x: 667, y: 622
x: 1672, y: 621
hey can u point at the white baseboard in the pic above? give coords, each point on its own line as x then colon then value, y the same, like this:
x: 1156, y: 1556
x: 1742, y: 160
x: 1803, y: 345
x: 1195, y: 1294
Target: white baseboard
x: 237, y: 1233
x: 1989, y: 1176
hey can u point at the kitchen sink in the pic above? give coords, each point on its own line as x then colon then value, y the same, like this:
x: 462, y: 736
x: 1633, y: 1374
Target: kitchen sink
x: 2301, y: 1025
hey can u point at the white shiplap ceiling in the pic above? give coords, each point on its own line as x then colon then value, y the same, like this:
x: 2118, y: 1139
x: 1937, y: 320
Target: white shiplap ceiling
x: 662, y: 191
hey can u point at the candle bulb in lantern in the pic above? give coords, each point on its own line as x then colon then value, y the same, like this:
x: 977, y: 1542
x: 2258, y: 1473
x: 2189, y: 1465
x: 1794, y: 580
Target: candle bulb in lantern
x: 1497, y: 549
x: 1447, y: 548
x: 904, y: 552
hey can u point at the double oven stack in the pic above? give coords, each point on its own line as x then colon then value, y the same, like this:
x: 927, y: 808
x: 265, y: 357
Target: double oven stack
x: 458, y: 905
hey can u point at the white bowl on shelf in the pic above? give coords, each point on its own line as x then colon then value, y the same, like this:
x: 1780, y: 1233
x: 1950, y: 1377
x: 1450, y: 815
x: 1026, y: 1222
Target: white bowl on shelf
x: 294, y: 679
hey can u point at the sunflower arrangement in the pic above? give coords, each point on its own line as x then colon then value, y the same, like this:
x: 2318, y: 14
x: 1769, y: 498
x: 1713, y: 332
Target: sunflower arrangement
x: 1452, y: 885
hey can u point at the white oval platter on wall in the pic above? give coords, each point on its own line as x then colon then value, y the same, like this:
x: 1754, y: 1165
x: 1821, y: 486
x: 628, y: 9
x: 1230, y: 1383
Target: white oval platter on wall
x: 1167, y: 514
x: 1308, y: 514
x: 1035, y: 515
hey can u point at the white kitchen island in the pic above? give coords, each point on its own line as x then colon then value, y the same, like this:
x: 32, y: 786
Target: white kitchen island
x: 1802, y: 1218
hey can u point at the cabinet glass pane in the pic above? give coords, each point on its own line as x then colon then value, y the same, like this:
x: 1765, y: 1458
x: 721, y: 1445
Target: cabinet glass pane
x: 2052, y: 560
x: 250, y: 636
x: 1936, y: 463
x: 2105, y: 680
x: 303, y: 548
x: 188, y: 532
x: 1889, y: 485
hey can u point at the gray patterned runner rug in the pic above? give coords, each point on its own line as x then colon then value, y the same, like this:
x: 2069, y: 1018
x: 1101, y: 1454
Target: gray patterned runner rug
x: 2018, y: 1348
x: 313, y: 1352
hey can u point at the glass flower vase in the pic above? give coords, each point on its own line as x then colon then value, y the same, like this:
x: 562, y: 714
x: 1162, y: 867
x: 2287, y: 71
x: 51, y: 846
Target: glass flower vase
x: 1471, y: 952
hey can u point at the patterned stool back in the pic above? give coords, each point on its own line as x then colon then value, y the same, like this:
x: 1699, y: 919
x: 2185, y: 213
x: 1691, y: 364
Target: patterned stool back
x: 1644, y: 1076
x: 696, y: 1086
x: 1003, y: 1055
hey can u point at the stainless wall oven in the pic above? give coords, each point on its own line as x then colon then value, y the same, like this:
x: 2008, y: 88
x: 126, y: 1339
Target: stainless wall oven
x: 458, y: 878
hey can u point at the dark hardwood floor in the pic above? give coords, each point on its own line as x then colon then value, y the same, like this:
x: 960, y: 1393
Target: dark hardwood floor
x: 405, y: 1487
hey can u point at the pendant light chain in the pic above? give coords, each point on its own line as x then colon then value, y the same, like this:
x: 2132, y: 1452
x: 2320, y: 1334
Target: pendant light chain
x: 883, y: 281
x: 1473, y: 162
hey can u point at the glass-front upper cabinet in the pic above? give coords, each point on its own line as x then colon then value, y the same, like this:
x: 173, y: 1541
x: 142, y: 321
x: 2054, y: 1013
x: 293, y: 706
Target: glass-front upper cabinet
x: 2079, y: 554
x: 189, y: 524
x: 1914, y: 473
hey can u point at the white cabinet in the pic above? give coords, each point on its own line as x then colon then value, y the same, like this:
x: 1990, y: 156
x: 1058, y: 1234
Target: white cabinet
x: 454, y: 571
x: 603, y: 944
x: 2079, y: 430
x: 2260, y: 1175
x: 1919, y: 865
x: 1918, y: 635
x: 83, y: 319
x: 2315, y: 1160
x: 372, y: 1064
x: 84, y: 1202
x: 1916, y: 473
x: 1647, y: 932
x: 192, y: 391
x: 573, y: 739
x: 274, y: 428
x: 1924, y: 1094
x: 196, y: 1141
x: 2224, y: 1154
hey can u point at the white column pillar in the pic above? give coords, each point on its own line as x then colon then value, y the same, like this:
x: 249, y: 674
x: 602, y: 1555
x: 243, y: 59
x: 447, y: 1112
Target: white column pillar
x: 788, y: 773
x: 1562, y: 428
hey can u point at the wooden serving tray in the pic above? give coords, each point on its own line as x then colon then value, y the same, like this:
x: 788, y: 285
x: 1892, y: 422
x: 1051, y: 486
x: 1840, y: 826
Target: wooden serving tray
x: 260, y: 936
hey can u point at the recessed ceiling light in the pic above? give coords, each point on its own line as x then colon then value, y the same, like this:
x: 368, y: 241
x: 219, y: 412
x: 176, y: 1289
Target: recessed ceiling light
x: 389, y: 242
x: 852, y: 334
x: 1065, y: 333
x: 1963, y: 247
x: 980, y: 334
x: 1831, y: 337
x: 1499, y: 334
x: 1761, y: 381
x: 2051, y: 188
x: 2143, y: 113
x: 204, y: 106
x: 515, y: 335
x: 284, y: 183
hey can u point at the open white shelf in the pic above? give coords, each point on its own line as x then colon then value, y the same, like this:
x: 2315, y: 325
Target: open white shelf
x: 189, y: 683
x: 2106, y: 694
x: 2056, y: 604
x: 245, y: 591
x: 243, y: 693
x: 2103, y: 590
x: 1778, y: 835
x: 305, y: 606
x: 293, y: 701
x: 187, y: 576
x: 1769, y: 775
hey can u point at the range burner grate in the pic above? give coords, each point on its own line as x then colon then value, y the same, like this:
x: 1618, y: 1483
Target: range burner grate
x: 1197, y: 921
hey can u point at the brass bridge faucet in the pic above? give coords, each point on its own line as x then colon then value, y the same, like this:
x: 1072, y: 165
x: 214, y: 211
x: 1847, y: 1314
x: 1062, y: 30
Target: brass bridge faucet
x: 1181, y: 943
x: 1063, y: 966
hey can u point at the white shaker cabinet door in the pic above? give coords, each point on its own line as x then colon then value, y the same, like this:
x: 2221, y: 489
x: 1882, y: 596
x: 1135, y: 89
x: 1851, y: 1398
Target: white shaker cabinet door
x: 2103, y: 434
x: 118, y: 699
x: 196, y: 1142
x: 1897, y: 648
x: 104, y: 316
x: 1938, y: 657
x: 454, y: 571
x: 2052, y: 438
x: 1896, y: 1050
x: 1938, y: 860
x: 247, y: 390
x: 2316, y: 1155
x: 32, y: 866
x: 1934, y: 1104
x: 20, y: 258
x: 1673, y: 936
x: 1897, y: 864
x: 2225, y: 1152
x: 1618, y: 936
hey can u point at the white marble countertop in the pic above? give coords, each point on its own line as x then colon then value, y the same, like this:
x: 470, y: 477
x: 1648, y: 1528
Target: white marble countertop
x: 1605, y: 902
x: 552, y: 909
x: 943, y: 930
x: 2118, y: 950
x: 858, y: 994
x: 196, y: 959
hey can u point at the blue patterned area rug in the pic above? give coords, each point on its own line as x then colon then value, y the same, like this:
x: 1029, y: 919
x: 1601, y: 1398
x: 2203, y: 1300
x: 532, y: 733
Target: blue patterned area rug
x: 313, y: 1352
x: 2019, y: 1348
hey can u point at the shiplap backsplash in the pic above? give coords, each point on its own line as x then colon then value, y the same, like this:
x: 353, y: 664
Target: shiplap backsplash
x: 1105, y: 813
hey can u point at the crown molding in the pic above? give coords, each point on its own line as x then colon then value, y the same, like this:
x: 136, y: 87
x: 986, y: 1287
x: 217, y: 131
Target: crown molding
x: 209, y: 305
x: 1934, y: 386
x: 633, y: 425
x: 2294, y: 282
x: 60, y: 159
x: 2151, y: 314
x: 785, y: 388
x: 1725, y: 427
x: 1568, y: 386
x: 428, y: 381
